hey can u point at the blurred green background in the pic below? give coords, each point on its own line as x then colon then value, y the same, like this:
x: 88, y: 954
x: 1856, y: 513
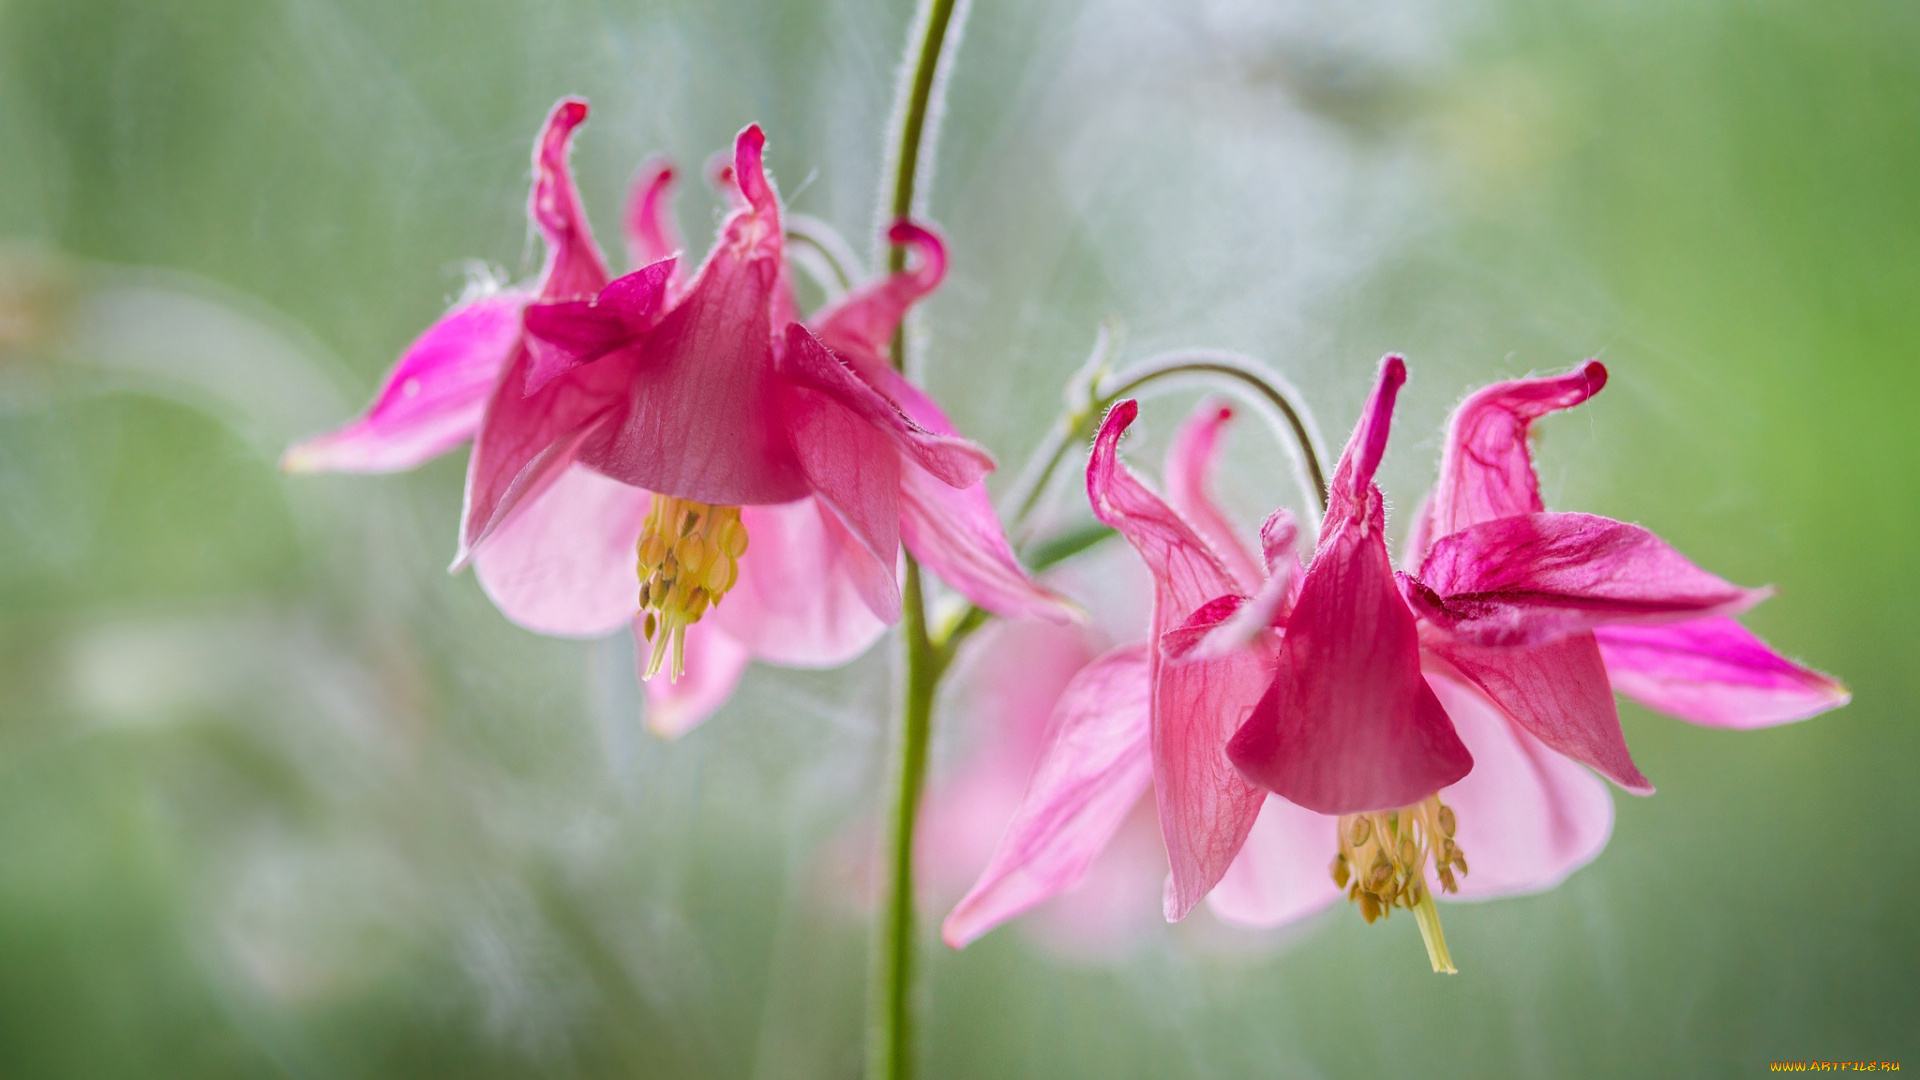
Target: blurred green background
x: 278, y: 797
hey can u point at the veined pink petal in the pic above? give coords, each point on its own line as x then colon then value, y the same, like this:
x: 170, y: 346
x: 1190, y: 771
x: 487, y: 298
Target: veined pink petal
x: 565, y: 334
x: 1265, y: 610
x: 861, y: 326
x: 955, y: 533
x: 574, y: 266
x: 714, y: 664
x: 527, y: 440
x: 1205, y: 808
x: 1348, y: 724
x: 702, y: 416
x: 1557, y: 691
x: 431, y: 401
x: 1486, y: 469
x: 1190, y: 463
x: 1281, y: 874
x: 651, y: 232
x: 1714, y: 671
x: 852, y: 468
x: 564, y: 564
x: 1528, y: 816
x: 950, y: 458
x: 801, y: 597
x: 1531, y: 578
x: 1095, y: 768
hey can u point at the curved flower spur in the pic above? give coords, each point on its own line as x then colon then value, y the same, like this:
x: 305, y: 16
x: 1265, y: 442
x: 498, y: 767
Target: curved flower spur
x: 665, y: 443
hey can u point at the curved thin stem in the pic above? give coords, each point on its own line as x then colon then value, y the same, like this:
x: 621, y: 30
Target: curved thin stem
x: 1250, y: 373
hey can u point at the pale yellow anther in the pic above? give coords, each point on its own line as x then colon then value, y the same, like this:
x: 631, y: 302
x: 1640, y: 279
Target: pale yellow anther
x: 1395, y: 847
x: 688, y: 557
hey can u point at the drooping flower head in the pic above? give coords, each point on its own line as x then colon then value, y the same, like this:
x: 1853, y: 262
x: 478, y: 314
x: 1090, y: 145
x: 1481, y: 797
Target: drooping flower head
x: 694, y: 428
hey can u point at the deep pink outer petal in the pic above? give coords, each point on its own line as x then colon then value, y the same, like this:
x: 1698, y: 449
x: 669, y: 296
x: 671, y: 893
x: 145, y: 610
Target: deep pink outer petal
x: 952, y: 459
x: 703, y: 414
x: 1096, y: 766
x: 1557, y: 691
x: 1191, y: 459
x: 715, y: 663
x: 1531, y: 578
x: 1528, y: 816
x: 650, y: 229
x: 852, y: 469
x: 802, y: 597
x: 1282, y: 873
x: 1714, y: 671
x: 1205, y: 808
x: 431, y: 401
x: 955, y: 533
x: 564, y: 334
x: 1348, y: 724
x: 1486, y: 469
x: 564, y: 564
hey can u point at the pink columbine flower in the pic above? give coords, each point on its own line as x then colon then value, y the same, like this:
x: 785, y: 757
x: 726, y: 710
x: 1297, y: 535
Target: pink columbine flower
x: 1130, y: 720
x: 1513, y: 604
x: 668, y: 421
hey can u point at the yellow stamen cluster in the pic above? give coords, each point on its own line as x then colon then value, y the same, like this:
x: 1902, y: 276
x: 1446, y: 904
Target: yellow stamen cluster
x: 1382, y: 864
x: 689, y: 556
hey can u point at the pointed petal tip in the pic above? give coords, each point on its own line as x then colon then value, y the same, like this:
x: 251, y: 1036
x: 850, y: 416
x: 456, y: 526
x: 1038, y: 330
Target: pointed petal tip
x: 1393, y: 371
x: 568, y: 113
x: 749, y: 168
x: 1596, y: 373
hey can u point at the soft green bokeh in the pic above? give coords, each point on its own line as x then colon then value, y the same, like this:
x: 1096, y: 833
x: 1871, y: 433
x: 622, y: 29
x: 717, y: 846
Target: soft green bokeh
x: 279, y: 797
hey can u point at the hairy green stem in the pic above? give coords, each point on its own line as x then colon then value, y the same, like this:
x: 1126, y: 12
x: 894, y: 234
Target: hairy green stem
x: 890, y: 1015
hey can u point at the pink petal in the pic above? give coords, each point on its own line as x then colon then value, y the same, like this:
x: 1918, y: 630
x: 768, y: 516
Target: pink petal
x: 1348, y: 724
x: 431, y: 401
x: 861, y: 326
x: 651, y: 232
x: 568, y: 333
x: 955, y: 533
x: 1282, y: 873
x: 950, y: 458
x: 703, y: 416
x: 1714, y: 671
x: 1096, y: 765
x: 1267, y: 609
x: 852, y: 469
x: 715, y: 663
x: 1205, y: 808
x: 1557, y: 691
x: 1528, y: 817
x: 801, y: 600
x: 1190, y: 462
x: 574, y: 267
x: 1532, y: 578
x: 564, y: 564
x: 1486, y: 470
x: 527, y: 440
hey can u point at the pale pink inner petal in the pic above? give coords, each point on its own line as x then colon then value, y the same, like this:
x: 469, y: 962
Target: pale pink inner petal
x: 1528, y: 817
x: 1095, y: 768
x: 1716, y: 672
x: 431, y: 401
x: 799, y: 599
x: 564, y: 562
x: 714, y: 663
x: 1282, y: 873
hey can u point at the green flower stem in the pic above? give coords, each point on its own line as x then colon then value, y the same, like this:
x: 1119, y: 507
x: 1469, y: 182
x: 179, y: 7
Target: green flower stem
x: 890, y: 999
